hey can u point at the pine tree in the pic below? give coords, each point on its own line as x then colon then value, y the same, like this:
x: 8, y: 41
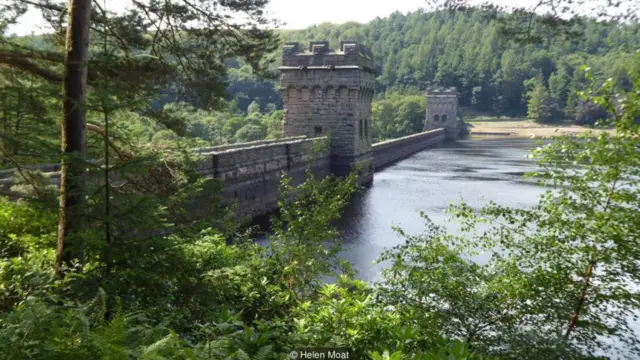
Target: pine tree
x: 541, y: 105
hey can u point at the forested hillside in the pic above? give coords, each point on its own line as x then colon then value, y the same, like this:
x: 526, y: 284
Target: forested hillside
x: 466, y: 50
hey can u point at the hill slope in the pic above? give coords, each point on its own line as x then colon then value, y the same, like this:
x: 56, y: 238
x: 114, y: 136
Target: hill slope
x: 466, y: 50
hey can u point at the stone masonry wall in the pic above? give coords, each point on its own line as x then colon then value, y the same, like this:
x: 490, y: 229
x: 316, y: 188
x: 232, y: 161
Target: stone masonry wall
x: 328, y: 92
x: 442, y: 111
x: 390, y: 151
x: 251, y: 172
x: 246, y: 144
x: 251, y: 175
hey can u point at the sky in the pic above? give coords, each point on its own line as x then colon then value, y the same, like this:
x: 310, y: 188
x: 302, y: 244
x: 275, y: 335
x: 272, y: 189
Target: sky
x: 297, y: 14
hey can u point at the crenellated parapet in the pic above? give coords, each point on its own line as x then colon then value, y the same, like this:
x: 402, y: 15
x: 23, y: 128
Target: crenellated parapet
x: 327, y: 70
x: 318, y: 56
x: 439, y: 91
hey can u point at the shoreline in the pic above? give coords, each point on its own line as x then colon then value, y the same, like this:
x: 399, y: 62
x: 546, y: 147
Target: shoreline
x: 520, y: 128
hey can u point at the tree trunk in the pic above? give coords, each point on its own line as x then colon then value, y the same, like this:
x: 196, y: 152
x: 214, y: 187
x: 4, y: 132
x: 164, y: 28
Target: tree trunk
x: 70, y: 243
x: 4, y: 152
x: 579, y: 303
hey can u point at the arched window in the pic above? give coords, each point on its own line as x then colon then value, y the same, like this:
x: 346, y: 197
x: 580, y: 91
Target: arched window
x: 436, y: 118
x: 444, y: 118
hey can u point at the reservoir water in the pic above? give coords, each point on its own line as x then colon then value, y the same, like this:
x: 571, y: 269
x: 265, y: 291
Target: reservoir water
x: 476, y: 171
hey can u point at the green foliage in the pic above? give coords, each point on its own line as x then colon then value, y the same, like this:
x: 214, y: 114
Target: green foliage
x: 247, y: 88
x: 560, y: 277
x: 397, y: 115
x: 303, y: 249
x: 193, y: 294
x: 467, y: 49
x: 542, y: 107
x: 28, y: 110
x: 454, y: 350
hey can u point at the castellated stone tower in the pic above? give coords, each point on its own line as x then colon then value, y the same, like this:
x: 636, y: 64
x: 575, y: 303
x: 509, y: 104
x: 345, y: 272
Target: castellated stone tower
x: 328, y: 93
x: 442, y: 111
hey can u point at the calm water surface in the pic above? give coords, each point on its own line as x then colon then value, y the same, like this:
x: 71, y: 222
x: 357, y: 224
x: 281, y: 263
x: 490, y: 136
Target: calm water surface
x: 476, y: 171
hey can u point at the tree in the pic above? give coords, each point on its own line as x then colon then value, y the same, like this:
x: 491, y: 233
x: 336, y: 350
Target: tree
x: 383, y: 115
x: 563, y: 274
x: 250, y: 132
x: 547, y: 18
x: 273, y: 123
x: 559, y: 86
x: 156, y: 45
x: 589, y: 113
x: 74, y: 124
x: 541, y: 106
x: 28, y: 112
x: 410, y: 116
x: 254, y: 107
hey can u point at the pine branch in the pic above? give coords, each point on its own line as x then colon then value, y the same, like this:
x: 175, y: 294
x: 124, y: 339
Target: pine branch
x: 26, y: 65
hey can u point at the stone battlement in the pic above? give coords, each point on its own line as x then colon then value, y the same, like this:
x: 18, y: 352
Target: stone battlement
x: 320, y: 57
x: 442, y: 91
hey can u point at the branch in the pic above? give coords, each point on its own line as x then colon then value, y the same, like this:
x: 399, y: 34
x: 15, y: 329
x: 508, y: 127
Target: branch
x: 99, y: 131
x: 39, y: 192
x: 46, y: 5
x: 123, y: 43
x: 30, y: 67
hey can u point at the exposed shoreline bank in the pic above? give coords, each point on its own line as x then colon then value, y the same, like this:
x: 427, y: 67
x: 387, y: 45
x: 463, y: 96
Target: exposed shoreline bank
x: 518, y: 129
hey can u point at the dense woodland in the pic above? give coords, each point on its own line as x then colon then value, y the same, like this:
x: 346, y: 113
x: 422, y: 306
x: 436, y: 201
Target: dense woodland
x: 133, y: 256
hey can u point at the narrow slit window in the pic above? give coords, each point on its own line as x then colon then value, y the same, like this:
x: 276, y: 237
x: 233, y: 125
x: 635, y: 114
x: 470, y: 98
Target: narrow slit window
x: 366, y: 129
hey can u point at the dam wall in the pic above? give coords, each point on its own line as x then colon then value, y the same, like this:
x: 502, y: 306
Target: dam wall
x: 327, y: 96
x: 387, y: 152
x: 251, y: 175
x: 251, y: 172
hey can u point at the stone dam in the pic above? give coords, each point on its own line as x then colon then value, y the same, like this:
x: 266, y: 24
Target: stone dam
x: 327, y: 96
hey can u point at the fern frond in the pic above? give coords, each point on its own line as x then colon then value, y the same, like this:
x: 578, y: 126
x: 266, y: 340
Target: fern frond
x: 264, y: 353
x: 241, y: 355
x: 157, y: 346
